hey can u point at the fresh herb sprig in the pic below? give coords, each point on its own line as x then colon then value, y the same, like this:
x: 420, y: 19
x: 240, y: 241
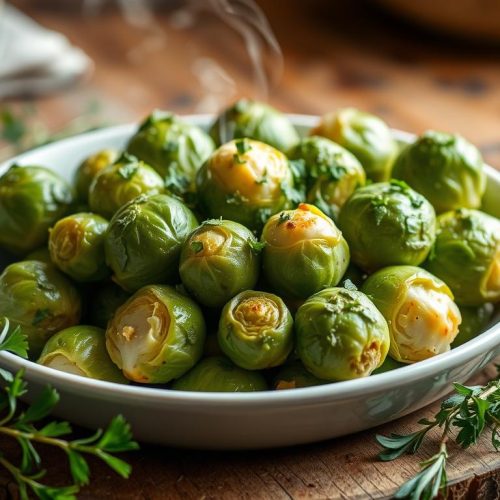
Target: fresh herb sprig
x: 21, y: 130
x: 470, y: 410
x: 28, y: 427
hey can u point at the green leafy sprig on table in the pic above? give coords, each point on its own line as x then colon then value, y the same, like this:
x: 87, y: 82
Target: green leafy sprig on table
x: 470, y: 410
x: 20, y: 130
x: 27, y: 425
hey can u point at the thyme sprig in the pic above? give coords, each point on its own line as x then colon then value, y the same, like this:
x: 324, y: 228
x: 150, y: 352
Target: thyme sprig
x: 28, y: 426
x: 470, y: 410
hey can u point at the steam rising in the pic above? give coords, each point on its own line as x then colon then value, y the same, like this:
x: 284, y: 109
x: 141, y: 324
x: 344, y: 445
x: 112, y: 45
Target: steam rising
x: 248, y: 20
x: 242, y: 16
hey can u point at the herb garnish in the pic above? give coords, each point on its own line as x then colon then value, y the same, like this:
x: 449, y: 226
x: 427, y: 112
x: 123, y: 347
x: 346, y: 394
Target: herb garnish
x: 196, y: 246
x: 242, y: 147
x: 256, y: 246
x: 473, y: 410
x: 29, y: 428
x: 284, y: 216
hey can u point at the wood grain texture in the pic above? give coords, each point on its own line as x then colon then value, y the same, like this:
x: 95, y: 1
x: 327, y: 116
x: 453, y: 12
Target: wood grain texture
x: 335, y: 469
x: 336, y: 54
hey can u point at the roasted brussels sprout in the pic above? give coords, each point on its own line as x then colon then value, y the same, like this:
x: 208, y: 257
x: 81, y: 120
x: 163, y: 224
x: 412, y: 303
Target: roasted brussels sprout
x: 42, y: 254
x: 256, y: 330
x: 156, y: 335
x: 341, y: 335
x: 144, y: 239
x: 466, y: 256
x: 32, y: 199
x: 40, y: 299
x: 218, y: 260
x: 304, y: 252
x: 254, y: 120
x: 422, y: 317
x: 81, y: 350
x: 245, y: 181
x: 76, y: 245
x: 366, y: 136
x: 121, y: 182
x: 332, y: 172
x: 295, y: 376
x: 445, y: 168
x: 173, y: 148
x: 104, y: 301
x: 475, y: 321
x: 219, y: 374
x: 87, y: 170
x: 387, y: 224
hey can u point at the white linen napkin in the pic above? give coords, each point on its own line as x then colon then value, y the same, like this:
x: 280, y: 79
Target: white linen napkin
x: 35, y: 60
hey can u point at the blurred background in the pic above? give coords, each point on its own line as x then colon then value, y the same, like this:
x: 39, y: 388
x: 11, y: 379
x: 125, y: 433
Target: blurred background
x: 69, y: 66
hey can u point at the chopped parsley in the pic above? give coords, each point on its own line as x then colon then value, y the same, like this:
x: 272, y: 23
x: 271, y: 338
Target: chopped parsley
x: 284, y: 217
x: 196, y: 246
x: 256, y: 246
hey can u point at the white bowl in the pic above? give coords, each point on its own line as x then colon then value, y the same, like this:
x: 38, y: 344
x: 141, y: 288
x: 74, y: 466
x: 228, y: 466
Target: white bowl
x: 248, y: 420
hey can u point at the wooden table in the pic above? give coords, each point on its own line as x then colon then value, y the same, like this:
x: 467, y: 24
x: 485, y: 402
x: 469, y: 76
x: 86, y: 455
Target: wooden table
x: 336, y: 54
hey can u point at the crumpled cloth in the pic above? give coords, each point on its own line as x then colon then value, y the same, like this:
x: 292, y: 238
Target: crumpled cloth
x: 35, y: 60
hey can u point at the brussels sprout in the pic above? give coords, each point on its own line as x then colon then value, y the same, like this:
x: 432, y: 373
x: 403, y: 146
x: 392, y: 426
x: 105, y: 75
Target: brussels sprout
x: 32, y: 199
x: 40, y: 299
x: 332, y: 172
x: 219, y: 374
x: 104, y: 301
x: 76, y: 245
x: 304, y: 252
x: 388, y: 365
x: 386, y: 224
x: 295, y: 376
x: 366, y: 136
x: 445, y: 168
x: 87, y: 170
x: 42, y: 254
x: 245, y: 181
x: 475, y: 320
x: 341, y: 335
x: 81, y: 350
x: 121, y: 182
x: 156, y: 336
x: 254, y: 120
x: 173, y: 148
x: 466, y: 256
x: 422, y: 317
x: 218, y: 260
x: 256, y: 330
x: 144, y: 239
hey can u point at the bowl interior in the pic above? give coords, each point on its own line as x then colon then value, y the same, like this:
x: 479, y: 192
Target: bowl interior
x: 64, y: 157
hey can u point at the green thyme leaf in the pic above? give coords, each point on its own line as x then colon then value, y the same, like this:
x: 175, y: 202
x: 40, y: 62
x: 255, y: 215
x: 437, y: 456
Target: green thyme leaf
x: 242, y: 146
x: 284, y: 217
x: 196, y: 246
x: 256, y: 246
x: 470, y: 409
